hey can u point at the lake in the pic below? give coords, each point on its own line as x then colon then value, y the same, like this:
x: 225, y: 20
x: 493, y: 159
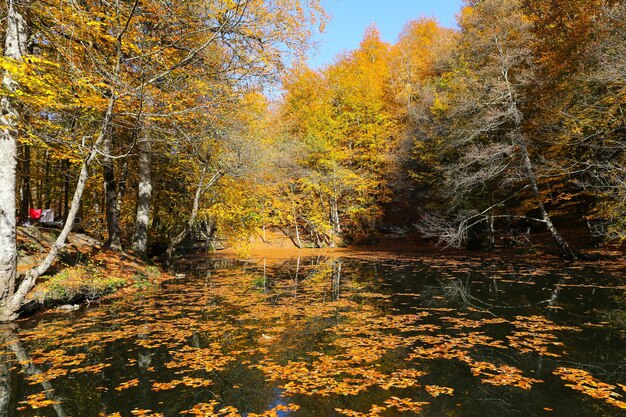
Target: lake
x: 348, y: 335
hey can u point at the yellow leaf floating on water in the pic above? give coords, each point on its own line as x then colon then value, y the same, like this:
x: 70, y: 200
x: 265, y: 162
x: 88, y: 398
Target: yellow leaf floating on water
x: 208, y: 410
x: 405, y: 404
x: 401, y: 404
x: 186, y: 381
x: 274, y: 411
x: 436, y: 390
x: 374, y: 411
x: 40, y: 400
x: 584, y: 382
x: 128, y: 384
x: 145, y: 413
x: 502, y: 375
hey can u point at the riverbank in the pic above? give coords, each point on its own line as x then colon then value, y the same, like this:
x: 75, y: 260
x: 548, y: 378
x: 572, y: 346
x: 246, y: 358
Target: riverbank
x: 83, y: 272
x: 537, y: 247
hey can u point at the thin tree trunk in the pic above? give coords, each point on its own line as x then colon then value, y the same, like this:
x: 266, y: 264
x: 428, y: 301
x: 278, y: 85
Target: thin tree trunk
x: 57, y: 190
x: 26, y: 197
x: 298, y: 236
x: 334, y: 215
x: 176, y: 240
x: 15, y: 47
x: 210, y: 229
x: 44, y: 193
x: 563, y: 246
x: 492, y: 231
x: 200, y: 190
x: 121, y: 192
x: 121, y: 188
x: 528, y: 165
x: 66, y: 188
x: 110, y: 197
x: 144, y: 196
x: 298, y: 242
x: 38, y: 198
x: 334, y: 220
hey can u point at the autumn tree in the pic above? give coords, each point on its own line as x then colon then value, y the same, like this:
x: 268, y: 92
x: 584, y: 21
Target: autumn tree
x: 344, y: 116
x: 580, y: 101
x: 100, y: 75
x: 489, y: 100
x: 419, y: 70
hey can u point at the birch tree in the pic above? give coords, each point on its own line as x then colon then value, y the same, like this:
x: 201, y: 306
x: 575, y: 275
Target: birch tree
x: 15, y: 48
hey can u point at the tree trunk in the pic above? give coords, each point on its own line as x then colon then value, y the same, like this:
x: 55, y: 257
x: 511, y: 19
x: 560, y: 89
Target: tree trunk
x: 335, y: 221
x: 563, y: 246
x: 57, y: 190
x: 121, y: 185
x: 43, y: 190
x: 334, y: 216
x: 528, y: 165
x: 491, y: 231
x: 200, y: 190
x: 299, y: 243
x: 110, y: 197
x: 15, y: 47
x: 66, y: 188
x: 26, y: 196
x: 144, y: 197
x: 210, y: 229
x: 176, y: 240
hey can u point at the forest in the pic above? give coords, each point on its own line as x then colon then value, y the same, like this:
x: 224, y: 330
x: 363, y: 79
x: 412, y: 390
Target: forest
x: 196, y: 219
x: 142, y: 122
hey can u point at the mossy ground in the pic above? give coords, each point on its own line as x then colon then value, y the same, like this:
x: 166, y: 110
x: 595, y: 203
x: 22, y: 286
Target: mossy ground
x: 83, y: 270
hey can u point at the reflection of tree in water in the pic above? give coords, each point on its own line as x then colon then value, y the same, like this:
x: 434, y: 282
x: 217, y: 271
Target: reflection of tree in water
x: 459, y: 291
x: 335, y: 318
x: 319, y: 274
x: 14, y: 347
x: 5, y: 381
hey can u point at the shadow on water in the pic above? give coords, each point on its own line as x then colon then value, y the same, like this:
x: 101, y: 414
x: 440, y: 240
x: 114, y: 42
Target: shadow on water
x: 327, y: 336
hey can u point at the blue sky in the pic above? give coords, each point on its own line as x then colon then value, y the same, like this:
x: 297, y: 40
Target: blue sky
x: 349, y: 18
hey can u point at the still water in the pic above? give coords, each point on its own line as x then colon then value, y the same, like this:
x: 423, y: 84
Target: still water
x: 332, y: 336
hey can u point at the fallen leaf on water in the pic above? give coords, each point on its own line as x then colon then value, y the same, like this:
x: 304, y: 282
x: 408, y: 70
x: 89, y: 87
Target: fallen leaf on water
x: 436, y: 391
x: 584, y: 382
x: 127, y: 384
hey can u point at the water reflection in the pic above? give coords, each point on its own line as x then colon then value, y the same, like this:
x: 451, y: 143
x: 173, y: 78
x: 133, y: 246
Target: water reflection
x: 328, y: 336
x: 15, y: 353
x: 5, y: 380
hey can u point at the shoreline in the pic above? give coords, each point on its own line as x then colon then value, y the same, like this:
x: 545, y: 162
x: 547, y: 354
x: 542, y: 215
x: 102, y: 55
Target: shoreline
x: 86, y: 272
